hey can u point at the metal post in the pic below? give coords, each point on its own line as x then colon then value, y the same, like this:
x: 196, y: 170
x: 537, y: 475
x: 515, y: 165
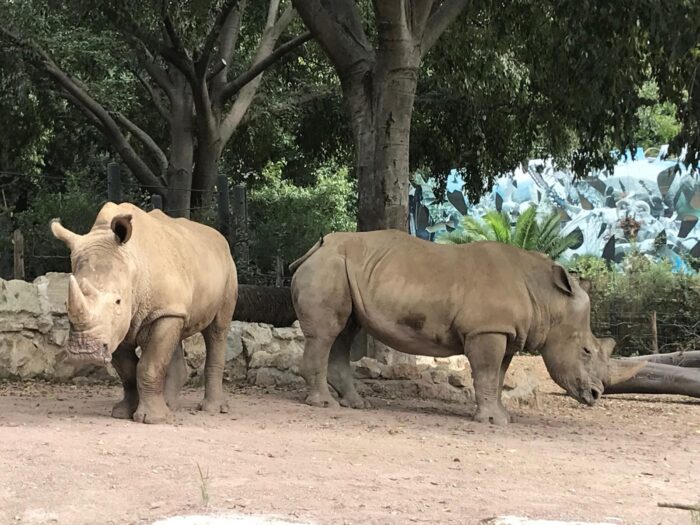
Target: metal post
x: 156, y: 202
x: 223, y: 207
x: 114, y: 184
x: 279, y: 271
x: 240, y: 209
x: 18, y: 248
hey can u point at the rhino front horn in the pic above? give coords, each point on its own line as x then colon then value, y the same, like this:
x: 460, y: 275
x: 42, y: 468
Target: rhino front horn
x: 77, y: 305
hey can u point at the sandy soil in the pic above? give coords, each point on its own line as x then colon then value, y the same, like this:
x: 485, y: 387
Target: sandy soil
x: 64, y: 460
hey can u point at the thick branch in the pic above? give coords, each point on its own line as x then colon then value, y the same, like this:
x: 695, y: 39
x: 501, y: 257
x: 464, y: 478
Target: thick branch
x: 439, y: 21
x: 155, y: 97
x: 76, y: 103
x: 78, y: 94
x: 204, y: 58
x: 339, y: 31
x: 235, y: 85
x: 147, y: 141
x: 230, y: 31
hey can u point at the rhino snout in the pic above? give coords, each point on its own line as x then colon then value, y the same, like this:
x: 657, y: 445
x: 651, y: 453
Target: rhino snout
x: 591, y: 395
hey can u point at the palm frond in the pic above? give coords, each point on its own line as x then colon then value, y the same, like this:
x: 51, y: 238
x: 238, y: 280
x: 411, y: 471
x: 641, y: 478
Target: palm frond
x: 526, y: 229
x: 500, y: 226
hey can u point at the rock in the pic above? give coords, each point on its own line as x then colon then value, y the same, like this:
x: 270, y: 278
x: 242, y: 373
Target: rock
x: 53, y: 292
x: 234, y: 343
x: 272, y: 377
x: 195, y: 351
x: 402, y: 371
x: 24, y: 355
x: 439, y: 375
x: 236, y: 369
x: 459, y: 379
x: 367, y: 368
x: 521, y: 388
x: 443, y: 392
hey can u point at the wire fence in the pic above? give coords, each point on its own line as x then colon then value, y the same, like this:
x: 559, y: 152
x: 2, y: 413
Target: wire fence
x: 222, y: 207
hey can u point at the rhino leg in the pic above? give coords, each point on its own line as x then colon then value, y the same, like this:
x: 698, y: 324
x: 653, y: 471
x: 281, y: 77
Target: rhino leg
x: 486, y: 353
x: 124, y: 360
x: 339, y: 372
x: 502, y: 376
x: 175, y: 377
x: 157, y: 343
x: 215, y: 341
x: 314, y: 368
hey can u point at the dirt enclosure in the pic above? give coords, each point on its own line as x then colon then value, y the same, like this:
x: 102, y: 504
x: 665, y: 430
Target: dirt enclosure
x: 64, y: 460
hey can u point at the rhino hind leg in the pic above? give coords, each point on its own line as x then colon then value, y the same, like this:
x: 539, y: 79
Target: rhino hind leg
x: 340, y: 374
x: 486, y: 354
x: 175, y: 377
x: 314, y: 368
x: 124, y: 360
x: 157, y: 346
x: 215, y: 340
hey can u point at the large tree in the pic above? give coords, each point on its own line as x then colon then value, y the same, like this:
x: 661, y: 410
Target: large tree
x: 200, y: 64
x: 508, y: 80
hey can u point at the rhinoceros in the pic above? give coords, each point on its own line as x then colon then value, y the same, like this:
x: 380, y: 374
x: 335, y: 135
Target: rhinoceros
x: 148, y: 280
x: 486, y: 300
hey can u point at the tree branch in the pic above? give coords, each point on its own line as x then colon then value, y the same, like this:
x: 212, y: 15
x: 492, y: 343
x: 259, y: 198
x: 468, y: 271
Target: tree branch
x: 440, y: 20
x: 157, y: 101
x: 230, y: 31
x: 146, y: 140
x: 238, y: 83
x: 75, y: 102
x: 204, y: 55
x: 339, y: 32
x: 78, y: 94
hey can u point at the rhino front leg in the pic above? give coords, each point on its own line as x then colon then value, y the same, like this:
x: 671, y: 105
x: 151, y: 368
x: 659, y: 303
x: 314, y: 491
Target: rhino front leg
x: 157, y: 343
x: 486, y: 353
x: 124, y: 361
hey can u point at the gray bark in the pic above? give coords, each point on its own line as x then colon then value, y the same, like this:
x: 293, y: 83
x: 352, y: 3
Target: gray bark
x: 686, y: 359
x: 265, y: 304
x: 656, y: 378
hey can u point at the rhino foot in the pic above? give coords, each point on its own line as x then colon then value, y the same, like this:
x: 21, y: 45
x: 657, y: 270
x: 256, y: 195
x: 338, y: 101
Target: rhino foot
x: 213, y: 407
x: 124, y: 409
x: 152, y: 415
x: 355, y: 402
x: 498, y: 416
x: 318, y: 399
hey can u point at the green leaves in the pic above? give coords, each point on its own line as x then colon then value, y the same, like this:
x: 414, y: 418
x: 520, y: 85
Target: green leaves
x: 527, y: 233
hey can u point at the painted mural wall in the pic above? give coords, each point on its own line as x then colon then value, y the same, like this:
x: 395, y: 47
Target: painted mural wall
x: 648, y: 204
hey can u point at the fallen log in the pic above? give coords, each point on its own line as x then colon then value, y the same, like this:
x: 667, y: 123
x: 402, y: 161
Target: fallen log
x: 265, y: 304
x: 629, y: 376
x: 686, y: 359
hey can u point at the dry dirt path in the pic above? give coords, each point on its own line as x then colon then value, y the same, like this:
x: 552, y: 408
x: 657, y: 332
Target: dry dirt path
x: 63, y: 460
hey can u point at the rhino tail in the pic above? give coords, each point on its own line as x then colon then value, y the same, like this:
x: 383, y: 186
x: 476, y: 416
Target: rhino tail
x: 293, y: 266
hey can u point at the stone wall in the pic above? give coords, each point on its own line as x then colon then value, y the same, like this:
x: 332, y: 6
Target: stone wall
x: 34, y: 329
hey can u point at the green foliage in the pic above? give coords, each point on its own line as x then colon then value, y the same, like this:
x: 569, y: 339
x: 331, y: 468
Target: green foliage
x: 622, y: 304
x: 286, y: 219
x: 657, y: 122
x: 527, y: 233
x: 76, y: 205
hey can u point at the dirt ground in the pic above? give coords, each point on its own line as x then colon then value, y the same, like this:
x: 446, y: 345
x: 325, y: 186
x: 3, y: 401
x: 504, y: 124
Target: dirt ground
x: 64, y: 460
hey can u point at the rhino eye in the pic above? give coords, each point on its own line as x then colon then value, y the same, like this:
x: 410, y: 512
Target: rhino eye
x: 119, y: 301
x: 587, y: 351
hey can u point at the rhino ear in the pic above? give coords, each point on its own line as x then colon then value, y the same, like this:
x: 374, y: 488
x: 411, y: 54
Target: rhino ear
x: 562, y: 279
x: 607, y: 345
x: 63, y: 234
x: 121, y: 226
x: 585, y: 284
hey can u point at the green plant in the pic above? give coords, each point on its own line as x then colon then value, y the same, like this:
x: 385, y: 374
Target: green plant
x: 527, y: 233
x: 286, y: 219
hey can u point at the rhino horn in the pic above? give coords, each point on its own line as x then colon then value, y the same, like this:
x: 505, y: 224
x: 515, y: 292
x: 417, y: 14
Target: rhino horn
x: 63, y: 234
x: 621, y: 370
x: 88, y: 289
x: 77, y: 305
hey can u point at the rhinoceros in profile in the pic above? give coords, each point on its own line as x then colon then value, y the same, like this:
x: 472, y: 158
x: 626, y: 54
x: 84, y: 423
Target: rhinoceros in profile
x: 486, y: 300
x: 145, y: 279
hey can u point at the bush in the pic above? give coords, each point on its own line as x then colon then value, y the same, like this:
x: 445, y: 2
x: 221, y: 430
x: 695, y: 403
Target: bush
x: 76, y: 205
x: 622, y: 304
x: 286, y: 220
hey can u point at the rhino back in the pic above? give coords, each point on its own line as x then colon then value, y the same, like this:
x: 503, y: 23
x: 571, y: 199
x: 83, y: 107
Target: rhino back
x: 441, y: 293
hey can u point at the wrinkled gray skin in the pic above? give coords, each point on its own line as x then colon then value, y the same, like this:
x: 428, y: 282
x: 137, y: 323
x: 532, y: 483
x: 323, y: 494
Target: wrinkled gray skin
x: 485, y: 300
x: 145, y: 279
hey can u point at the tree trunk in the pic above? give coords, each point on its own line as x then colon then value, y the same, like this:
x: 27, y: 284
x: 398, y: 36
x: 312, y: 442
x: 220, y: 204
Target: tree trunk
x: 686, y: 359
x: 381, y: 107
x: 181, y: 155
x: 631, y: 376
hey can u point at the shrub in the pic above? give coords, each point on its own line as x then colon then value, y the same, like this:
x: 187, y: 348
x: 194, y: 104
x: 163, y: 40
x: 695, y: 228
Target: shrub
x: 286, y: 220
x: 622, y: 303
x: 527, y: 233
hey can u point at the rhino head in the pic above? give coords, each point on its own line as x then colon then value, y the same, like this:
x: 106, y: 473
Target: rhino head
x: 576, y: 359
x: 99, y: 288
